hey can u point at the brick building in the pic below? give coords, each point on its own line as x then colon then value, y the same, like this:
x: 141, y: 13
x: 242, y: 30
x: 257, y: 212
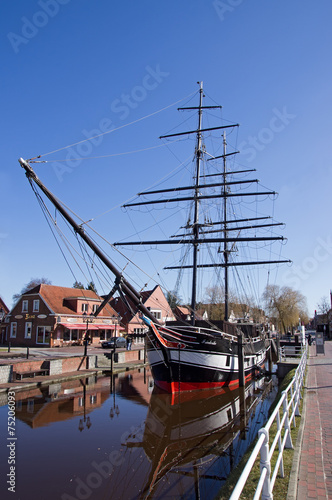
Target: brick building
x: 154, y: 300
x: 50, y: 316
x: 4, y: 310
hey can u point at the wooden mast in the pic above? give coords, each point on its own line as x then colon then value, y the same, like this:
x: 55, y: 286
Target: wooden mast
x: 196, y: 206
x: 225, y: 230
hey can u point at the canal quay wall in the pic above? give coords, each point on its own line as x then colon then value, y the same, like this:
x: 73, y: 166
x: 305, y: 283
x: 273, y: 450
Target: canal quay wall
x: 44, y: 365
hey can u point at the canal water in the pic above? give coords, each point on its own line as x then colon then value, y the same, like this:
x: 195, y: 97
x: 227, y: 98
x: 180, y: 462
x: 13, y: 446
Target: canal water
x: 108, y: 439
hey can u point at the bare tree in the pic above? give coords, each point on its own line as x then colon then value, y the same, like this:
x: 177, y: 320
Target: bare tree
x: 173, y: 299
x: 92, y: 286
x: 286, y: 305
x: 79, y: 285
x: 32, y: 283
x: 323, y: 308
x: 215, y: 300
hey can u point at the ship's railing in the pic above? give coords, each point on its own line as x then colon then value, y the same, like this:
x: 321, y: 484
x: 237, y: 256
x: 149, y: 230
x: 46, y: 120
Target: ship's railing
x: 284, y: 417
x: 198, y: 329
x: 291, y: 351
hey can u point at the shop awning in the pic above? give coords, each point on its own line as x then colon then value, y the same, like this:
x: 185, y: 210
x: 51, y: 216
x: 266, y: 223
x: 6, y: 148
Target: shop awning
x: 92, y: 326
x: 77, y: 326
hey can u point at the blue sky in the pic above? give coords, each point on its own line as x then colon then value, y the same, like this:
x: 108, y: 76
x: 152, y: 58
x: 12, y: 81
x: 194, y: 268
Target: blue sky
x: 75, y: 68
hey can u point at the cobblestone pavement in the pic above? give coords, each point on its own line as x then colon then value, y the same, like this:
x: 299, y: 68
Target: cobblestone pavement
x: 315, y: 464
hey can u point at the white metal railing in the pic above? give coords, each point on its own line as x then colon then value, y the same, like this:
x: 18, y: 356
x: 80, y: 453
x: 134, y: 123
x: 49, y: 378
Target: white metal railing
x: 288, y: 351
x: 284, y: 416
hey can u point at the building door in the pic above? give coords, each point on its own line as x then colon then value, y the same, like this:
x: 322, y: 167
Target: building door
x: 43, y: 334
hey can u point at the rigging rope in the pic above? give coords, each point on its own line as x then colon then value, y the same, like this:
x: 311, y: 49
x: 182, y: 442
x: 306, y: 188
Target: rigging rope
x: 48, y: 217
x: 102, y: 156
x: 117, y: 128
x: 107, y: 280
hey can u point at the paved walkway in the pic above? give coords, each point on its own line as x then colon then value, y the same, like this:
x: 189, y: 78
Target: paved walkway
x: 314, y: 467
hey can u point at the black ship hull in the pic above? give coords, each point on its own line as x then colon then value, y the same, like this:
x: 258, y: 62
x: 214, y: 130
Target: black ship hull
x: 187, y: 359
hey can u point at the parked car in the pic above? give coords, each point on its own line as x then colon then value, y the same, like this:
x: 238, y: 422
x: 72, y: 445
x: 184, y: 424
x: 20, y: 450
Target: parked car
x: 114, y: 342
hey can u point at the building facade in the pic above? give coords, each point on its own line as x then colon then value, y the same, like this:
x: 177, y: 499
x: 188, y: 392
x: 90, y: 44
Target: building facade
x: 154, y: 300
x: 54, y: 316
x: 4, y: 310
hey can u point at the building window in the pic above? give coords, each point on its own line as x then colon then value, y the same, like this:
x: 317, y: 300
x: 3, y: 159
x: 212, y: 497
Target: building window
x: 140, y: 339
x: 93, y: 399
x: 28, y: 330
x: 85, y: 307
x: 102, y: 335
x: 13, y: 330
x: 94, y: 308
x: 71, y: 335
x: 74, y: 335
x: 156, y: 313
x: 43, y: 334
x: 66, y: 335
x: 30, y: 406
x: 36, y: 306
x: 24, y: 306
x: 139, y: 331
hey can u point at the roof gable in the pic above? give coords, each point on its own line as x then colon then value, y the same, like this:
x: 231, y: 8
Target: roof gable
x: 152, y: 299
x: 60, y: 299
x: 3, y: 306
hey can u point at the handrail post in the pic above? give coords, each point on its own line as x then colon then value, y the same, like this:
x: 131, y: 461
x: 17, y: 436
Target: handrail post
x: 266, y: 464
x: 293, y: 397
x: 288, y: 443
x: 297, y: 399
x: 281, y: 467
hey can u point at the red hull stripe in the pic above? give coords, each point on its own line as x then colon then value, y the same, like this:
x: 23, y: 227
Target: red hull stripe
x: 174, y: 387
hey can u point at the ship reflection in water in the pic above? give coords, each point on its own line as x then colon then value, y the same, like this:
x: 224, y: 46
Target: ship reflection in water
x: 119, y: 439
x: 193, y: 442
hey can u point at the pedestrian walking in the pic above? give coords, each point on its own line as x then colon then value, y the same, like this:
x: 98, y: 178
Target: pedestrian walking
x: 128, y: 343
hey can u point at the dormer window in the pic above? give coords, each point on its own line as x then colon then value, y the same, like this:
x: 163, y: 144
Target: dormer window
x: 85, y: 308
x: 94, y: 308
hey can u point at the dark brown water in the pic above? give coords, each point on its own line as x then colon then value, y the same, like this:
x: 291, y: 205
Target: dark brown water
x: 93, y: 439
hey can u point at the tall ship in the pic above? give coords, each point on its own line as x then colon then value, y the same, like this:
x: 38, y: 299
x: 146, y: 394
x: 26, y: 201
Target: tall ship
x: 195, y: 352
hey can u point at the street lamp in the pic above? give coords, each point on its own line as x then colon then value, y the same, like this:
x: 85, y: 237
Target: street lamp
x: 2, y: 315
x: 87, y: 423
x: 114, y: 409
x: 86, y: 340
x: 85, y: 420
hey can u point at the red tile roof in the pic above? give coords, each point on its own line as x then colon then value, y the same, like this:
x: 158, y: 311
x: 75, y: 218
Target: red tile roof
x: 3, y: 305
x: 54, y: 298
